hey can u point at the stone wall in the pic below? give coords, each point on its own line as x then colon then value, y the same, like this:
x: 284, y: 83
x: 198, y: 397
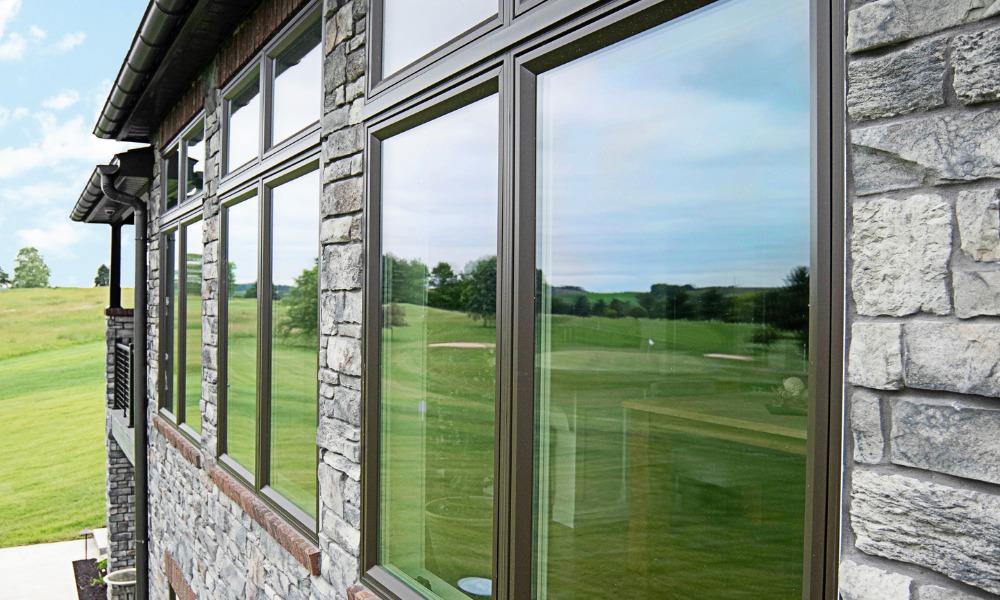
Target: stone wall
x: 921, y: 515
x: 120, y: 475
x: 206, y: 536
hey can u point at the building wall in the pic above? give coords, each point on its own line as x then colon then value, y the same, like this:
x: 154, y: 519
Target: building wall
x: 921, y: 515
x: 921, y: 511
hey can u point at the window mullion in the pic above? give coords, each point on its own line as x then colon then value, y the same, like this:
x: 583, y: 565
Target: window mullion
x: 180, y: 322
x: 264, y: 298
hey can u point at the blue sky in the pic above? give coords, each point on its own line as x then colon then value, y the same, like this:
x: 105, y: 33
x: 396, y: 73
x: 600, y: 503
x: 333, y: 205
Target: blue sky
x: 58, y: 59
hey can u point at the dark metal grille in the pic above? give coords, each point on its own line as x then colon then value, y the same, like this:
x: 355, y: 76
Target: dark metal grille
x: 123, y: 380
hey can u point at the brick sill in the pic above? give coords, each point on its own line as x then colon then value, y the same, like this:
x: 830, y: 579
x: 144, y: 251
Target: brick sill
x: 291, y: 540
x: 119, y: 312
x: 188, y: 450
x: 175, y: 577
x: 360, y: 592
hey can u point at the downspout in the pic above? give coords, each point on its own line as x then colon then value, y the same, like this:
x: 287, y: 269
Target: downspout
x: 108, y: 174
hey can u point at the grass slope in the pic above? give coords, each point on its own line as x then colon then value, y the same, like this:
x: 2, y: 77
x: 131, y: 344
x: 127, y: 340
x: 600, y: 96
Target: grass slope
x: 51, y: 414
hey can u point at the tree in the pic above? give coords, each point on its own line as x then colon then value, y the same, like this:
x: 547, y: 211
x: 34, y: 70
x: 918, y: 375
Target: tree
x: 480, y: 297
x: 30, y: 270
x: 581, y: 307
x: 103, y: 278
x: 407, y: 279
x: 446, y: 288
x: 302, y: 301
x: 4, y: 279
x: 714, y: 305
x: 231, y: 279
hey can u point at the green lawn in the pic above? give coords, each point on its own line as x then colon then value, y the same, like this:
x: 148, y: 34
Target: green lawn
x: 52, y: 354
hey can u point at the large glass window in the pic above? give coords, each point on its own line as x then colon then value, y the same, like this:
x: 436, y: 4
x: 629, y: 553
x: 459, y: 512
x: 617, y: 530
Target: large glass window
x: 180, y: 333
x: 616, y: 395
x: 413, y: 29
x: 294, y: 339
x: 244, y: 122
x: 439, y: 280
x: 183, y: 167
x: 298, y: 84
x: 671, y: 365
x: 241, y: 239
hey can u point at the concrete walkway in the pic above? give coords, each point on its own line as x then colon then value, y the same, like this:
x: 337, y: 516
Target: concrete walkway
x: 42, y: 571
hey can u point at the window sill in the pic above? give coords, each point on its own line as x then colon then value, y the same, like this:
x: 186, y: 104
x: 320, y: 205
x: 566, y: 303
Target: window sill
x: 302, y: 549
x: 177, y: 439
x: 175, y: 577
x: 360, y: 592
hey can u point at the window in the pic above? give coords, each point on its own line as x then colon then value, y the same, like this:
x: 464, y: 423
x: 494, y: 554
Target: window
x: 183, y: 169
x: 269, y: 310
x: 603, y: 354
x: 285, y: 86
x: 180, y: 325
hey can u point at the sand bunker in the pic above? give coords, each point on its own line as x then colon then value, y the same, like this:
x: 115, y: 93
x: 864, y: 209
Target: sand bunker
x: 730, y: 357
x: 461, y: 345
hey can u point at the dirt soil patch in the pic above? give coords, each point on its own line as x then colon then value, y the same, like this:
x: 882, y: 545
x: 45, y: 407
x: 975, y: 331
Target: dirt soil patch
x: 86, y: 572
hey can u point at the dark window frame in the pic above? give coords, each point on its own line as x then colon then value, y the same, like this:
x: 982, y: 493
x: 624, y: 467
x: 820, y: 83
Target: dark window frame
x: 260, y: 191
x: 180, y: 222
x: 537, y: 36
x: 262, y: 68
x: 179, y: 145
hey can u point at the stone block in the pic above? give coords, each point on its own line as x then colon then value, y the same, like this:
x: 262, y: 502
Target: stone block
x: 335, y: 231
x: 900, y: 250
x: 955, y: 532
x: 976, y: 61
x: 947, y: 437
x: 875, y: 359
x: 934, y: 592
x: 886, y: 22
x: 953, y: 357
x: 861, y: 582
x: 866, y: 427
x: 343, y: 197
x: 877, y: 24
x: 331, y: 488
x: 344, y: 355
x: 978, y: 216
x: 954, y: 147
x: 342, y: 267
x: 899, y: 83
x: 976, y: 293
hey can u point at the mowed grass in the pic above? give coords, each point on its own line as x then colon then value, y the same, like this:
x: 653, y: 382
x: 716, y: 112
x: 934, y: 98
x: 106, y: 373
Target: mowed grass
x: 52, y: 356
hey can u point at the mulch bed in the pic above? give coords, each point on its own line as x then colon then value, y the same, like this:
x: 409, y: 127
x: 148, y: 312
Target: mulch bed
x: 86, y: 572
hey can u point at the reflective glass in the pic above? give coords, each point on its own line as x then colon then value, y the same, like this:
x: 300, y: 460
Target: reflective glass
x: 241, y: 332
x: 128, y: 266
x: 169, y: 344
x: 194, y: 175
x: 439, y: 248
x: 413, y: 29
x: 298, y: 80
x: 192, y: 333
x: 671, y: 363
x: 295, y: 339
x: 171, y: 177
x: 244, y: 123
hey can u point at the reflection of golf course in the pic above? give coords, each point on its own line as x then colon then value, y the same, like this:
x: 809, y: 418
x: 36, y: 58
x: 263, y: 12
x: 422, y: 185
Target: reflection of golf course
x: 293, y: 402
x: 660, y: 469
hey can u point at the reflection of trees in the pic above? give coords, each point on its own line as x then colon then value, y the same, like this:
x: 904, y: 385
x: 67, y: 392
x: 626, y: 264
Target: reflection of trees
x: 193, y: 274
x: 302, y: 302
x: 480, y: 294
x: 410, y: 282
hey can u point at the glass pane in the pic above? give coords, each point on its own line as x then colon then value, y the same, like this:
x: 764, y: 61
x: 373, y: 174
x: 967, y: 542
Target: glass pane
x: 168, y: 327
x: 195, y: 162
x: 413, y: 29
x: 297, y: 82
x: 439, y: 203
x: 192, y: 334
x: 170, y: 176
x: 244, y: 123
x: 241, y: 332
x: 295, y: 340
x: 128, y: 266
x: 671, y: 367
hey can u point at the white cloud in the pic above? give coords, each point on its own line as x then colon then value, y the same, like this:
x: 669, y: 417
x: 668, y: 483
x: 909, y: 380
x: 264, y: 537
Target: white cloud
x: 8, y: 10
x: 37, y: 33
x: 57, y: 237
x: 13, y: 47
x: 19, y: 113
x: 56, y: 144
x: 70, y: 41
x: 63, y: 99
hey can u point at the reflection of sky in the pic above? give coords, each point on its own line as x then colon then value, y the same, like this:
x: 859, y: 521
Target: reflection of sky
x: 681, y: 155
x: 128, y: 257
x: 414, y: 28
x: 244, y: 132
x: 295, y: 214
x: 242, y: 239
x: 439, y: 188
x: 297, y: 96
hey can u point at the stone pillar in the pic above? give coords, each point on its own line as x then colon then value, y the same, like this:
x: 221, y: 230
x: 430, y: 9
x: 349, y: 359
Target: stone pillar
x: 120, y: 481
x: 921, y: 516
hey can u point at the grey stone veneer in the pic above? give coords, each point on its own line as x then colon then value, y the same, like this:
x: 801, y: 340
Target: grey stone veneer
x: 922, y: 450
x: 120, y: 476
